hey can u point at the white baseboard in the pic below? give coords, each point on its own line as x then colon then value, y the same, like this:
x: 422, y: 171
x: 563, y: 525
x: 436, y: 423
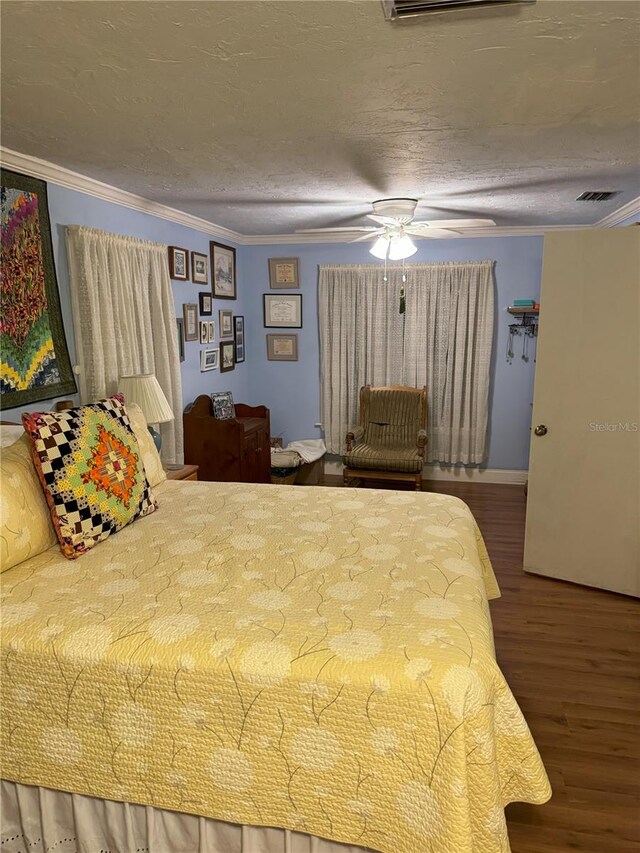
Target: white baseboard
x: 459, y: 473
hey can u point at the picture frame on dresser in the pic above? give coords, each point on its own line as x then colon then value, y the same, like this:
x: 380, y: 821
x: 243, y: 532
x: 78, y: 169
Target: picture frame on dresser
x: 223, y: 407
x: 178, y: 263
x: 223, y: 270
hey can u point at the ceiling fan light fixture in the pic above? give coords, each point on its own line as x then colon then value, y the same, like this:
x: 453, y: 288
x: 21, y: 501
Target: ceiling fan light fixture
x: 402, y: 247
x: 380, y: 248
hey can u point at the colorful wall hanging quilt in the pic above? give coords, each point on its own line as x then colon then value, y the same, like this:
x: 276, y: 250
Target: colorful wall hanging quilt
x: 34, y: 360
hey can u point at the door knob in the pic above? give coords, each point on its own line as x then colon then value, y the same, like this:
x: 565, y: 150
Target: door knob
x: 541, y: 429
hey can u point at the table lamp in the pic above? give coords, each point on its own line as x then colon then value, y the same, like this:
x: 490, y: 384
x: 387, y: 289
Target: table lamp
x: 144, y: 389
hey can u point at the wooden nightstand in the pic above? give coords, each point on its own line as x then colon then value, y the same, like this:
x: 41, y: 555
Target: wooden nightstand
x: 187, y: 472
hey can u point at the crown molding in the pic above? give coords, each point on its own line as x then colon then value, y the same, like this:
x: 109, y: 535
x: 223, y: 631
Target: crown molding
x: 90, y: 186
x: 631, y: 208
x: 47, y: 171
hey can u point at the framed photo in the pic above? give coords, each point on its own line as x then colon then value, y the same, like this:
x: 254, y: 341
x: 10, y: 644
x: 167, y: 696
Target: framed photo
x: 206, y: 304
x: 204, y: 332
x: 179, y: 263
x: 226, y: 324
x: 212, y: 331
x: 180, y: 325
x: 284, y: 273
x: 223, y: 407
x: 238, y: 337
x: 282, y: 347
x: 227, y: 361
x: 199, y: 268
x: 282, y: 311
x: 190, y: 314
x: 208, y: 360
x: 223, y: 270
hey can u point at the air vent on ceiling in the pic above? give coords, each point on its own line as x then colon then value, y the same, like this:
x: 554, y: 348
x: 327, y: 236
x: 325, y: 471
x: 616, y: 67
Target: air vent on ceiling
x: 394, y: 9
x: 598, y: 195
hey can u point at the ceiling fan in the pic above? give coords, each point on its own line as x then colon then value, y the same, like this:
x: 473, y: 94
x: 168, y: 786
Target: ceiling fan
x: 396, y: 226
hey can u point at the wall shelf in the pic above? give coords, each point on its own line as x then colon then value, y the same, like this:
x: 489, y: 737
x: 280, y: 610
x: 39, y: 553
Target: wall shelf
x: 519, y: 310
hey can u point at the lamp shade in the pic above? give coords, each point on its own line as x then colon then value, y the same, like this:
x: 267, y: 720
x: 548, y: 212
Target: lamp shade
x: 380, y: 248
x: 145, y: 390
x: 402, y: 247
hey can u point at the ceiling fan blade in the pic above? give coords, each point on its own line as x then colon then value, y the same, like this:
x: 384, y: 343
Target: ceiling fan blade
x: 346, y: 228
x: 368, y: 236
x: 456, y: 223
x: 430, y: 232
x: 384, y: 220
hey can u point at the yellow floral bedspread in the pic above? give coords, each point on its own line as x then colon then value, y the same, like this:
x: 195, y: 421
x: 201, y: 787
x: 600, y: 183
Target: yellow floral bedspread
x: 310, y: 658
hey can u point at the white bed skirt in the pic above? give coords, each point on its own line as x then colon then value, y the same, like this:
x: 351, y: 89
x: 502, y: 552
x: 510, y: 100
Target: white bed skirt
x: 39, y: 820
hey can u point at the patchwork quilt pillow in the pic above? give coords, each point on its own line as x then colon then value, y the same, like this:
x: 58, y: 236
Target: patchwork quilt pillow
x: 90, y: 467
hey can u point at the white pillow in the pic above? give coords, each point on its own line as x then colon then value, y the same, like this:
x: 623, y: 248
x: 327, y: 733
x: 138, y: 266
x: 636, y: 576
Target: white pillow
x: 10, y: 433
x: 150, y: 456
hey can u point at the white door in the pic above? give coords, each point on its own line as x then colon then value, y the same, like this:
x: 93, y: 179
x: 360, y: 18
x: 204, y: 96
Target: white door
x: 583, y: 507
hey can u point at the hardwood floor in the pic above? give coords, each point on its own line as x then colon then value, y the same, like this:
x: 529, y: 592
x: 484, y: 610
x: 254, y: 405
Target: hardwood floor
x: 571, y: 656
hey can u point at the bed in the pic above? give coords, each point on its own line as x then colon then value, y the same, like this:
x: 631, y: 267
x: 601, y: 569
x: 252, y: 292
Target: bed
x: 316, y: 660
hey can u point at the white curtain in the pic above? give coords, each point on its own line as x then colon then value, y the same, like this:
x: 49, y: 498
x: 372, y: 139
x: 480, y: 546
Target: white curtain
x: 124, y: 319
x: 443, y: 341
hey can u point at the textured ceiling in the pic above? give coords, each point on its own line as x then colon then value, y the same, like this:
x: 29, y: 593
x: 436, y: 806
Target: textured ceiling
x: 269, y: 116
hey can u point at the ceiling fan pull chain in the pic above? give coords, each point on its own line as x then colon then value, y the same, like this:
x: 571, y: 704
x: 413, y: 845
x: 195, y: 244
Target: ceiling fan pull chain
x: 403, y: 301
x: 384, y: 277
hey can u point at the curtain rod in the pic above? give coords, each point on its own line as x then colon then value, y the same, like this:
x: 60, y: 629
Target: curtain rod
x: 406, y: 266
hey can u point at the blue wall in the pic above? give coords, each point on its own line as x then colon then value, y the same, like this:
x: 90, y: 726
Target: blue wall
x: 69, y: 207
x: 292, y: 389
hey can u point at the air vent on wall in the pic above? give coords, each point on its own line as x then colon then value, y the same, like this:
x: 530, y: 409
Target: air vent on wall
x: 394, y: 9
x: 598, y: 195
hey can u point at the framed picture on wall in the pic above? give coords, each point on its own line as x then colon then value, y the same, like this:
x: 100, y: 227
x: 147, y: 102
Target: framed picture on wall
x: 204, y: 332
x: 282, y: 311
x: 178, y: 263
x: 180, y: 326
x: 284, y: 273
x: 199, y: 268
x: 223, y: 270
x: 212, y: 331
x: 226, y: 324
x: 227, y: 361
x: 209, y: 359
x: 238, y: 337
x: 190, y: 314
x: 282, y: 347
x: 206, y: 304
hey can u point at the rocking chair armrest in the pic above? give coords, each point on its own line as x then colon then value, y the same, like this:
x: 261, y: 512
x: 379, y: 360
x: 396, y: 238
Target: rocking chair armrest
x: 353, y: 436
x: 421, y: 441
